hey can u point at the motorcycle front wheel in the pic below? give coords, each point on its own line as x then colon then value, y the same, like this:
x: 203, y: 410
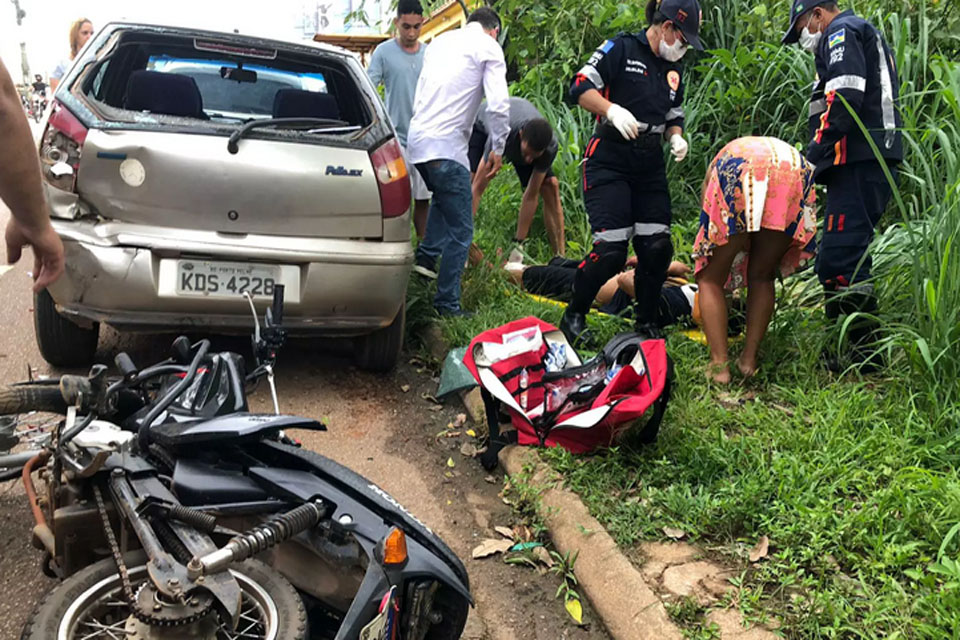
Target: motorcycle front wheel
x: 90, y: 605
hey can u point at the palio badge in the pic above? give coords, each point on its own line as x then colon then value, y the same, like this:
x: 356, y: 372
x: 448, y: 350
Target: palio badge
x: 340, y: 171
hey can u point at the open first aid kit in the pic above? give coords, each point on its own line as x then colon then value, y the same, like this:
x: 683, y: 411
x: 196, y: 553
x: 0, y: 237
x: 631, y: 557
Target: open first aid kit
x: 531, y: 377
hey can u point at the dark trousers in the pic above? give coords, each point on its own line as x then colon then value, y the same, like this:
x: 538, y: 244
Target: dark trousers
x: 626, y: 196
x: 857, y: 195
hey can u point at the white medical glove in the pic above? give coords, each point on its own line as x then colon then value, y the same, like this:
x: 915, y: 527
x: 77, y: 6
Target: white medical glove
x: 624, y: 121
x: 678, y: 147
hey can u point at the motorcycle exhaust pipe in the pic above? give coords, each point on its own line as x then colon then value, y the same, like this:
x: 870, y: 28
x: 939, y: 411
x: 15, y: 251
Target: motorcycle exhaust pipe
x: 41, y: 532
x: 258, y: 539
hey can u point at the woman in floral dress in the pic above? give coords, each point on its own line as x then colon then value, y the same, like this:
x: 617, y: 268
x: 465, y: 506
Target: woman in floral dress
x: 758, y: 215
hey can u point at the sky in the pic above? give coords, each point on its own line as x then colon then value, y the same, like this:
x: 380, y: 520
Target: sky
x: 47, y: 22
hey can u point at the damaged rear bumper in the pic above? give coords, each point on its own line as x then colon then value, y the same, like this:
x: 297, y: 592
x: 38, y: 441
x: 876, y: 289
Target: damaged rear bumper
x: 125, y: 275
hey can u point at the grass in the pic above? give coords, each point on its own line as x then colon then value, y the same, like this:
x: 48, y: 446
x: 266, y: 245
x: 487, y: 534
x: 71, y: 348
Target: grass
x: 854, y: 480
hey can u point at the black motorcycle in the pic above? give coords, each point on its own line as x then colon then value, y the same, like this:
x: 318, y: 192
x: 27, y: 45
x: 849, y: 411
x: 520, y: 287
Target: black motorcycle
x: 171, y: 511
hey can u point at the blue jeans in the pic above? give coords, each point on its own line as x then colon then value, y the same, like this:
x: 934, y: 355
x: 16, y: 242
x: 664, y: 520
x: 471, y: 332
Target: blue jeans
x: 449, y: 227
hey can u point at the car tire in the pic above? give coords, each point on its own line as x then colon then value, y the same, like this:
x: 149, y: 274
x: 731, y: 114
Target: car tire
x: 379, y: 351
x: 62, y: 343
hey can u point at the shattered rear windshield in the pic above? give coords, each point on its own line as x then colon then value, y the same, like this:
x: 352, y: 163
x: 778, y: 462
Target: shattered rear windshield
x: 183, y: 81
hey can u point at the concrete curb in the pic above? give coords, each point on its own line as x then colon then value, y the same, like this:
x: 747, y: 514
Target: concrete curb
x: 629, y: 608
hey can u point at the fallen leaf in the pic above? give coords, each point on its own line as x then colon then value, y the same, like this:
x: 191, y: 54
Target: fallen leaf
x: 760, y: 551
x: 728, y: 400
x: 429, y: 398
x: 468, y: 450
x: 452, y: 434
x: 490, y: 546
x: 543, y: 556
x: 460, y: 420
x: 451, y: 463
x: 447, y: 474
x: 490, y: 479
x: 436, y: 407
x: 575, y: 609
x: 404, y: 388
x: 471, y: 433
x: 676, y: 534
x: 506, y: 532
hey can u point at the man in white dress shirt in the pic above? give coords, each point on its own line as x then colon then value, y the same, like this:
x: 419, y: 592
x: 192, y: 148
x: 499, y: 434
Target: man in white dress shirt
x: 459, y: 68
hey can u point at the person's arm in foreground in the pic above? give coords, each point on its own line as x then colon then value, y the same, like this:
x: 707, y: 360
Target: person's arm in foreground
x: 22, y: 191
x: 528, y: 205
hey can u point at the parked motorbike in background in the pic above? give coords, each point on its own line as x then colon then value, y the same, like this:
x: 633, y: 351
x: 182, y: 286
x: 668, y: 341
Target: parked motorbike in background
x: 172, y: 511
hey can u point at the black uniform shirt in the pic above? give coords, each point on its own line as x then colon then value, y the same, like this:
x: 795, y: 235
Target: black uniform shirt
x: 855, y: 62
x: 626, y: 71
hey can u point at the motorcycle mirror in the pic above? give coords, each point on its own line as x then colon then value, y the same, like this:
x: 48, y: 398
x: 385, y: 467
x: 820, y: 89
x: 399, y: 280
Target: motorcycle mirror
x: 275, y: 312
x: 181, y: 350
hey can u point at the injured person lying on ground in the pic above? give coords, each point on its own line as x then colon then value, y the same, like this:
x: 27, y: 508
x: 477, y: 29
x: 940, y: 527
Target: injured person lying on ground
x: 679, y: 299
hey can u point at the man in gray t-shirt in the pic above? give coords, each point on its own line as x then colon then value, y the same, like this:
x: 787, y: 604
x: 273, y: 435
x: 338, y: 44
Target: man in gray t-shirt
x: 531, y: 148
x: 396, y: 64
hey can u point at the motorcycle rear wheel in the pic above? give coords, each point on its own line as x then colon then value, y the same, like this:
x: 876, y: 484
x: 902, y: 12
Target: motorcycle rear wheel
x: 90, y: 604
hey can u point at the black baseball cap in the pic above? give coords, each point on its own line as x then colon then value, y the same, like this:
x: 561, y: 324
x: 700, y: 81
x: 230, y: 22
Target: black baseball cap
x: 799, y: 8
x: 687, y: 15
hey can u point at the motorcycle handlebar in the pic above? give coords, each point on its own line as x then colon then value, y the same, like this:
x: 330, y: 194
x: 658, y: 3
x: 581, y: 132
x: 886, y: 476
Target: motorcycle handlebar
x: 54, y: 397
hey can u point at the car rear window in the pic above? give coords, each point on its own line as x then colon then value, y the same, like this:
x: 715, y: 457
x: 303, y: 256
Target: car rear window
x: 211, y: 82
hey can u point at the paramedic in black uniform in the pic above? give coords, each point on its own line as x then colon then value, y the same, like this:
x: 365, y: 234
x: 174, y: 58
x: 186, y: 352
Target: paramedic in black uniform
x: 634, y: 85
x: 853, y: 61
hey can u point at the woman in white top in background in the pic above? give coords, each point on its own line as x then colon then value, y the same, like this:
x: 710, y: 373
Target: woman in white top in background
x: 80, y: 31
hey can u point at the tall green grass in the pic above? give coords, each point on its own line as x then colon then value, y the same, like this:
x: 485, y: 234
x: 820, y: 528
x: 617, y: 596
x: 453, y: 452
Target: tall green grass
x: 854, y: 480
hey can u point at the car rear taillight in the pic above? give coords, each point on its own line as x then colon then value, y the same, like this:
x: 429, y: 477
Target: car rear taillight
x: 392, y: 179
x: 60, y: 148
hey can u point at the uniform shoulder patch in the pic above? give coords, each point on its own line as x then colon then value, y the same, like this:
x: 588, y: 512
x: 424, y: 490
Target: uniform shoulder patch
x: 606, y: 46
x: 837, y: 37
x: 673, y: 79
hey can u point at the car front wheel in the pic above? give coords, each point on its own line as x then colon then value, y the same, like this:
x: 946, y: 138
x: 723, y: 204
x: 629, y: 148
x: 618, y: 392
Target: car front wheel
x: 62, y: 343
x: 379, y: 351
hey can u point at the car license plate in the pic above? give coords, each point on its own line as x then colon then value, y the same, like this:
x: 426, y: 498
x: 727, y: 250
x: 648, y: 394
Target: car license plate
x: 226, y: 279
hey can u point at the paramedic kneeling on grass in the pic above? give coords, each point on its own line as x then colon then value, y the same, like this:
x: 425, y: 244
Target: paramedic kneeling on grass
x: 531, y: 148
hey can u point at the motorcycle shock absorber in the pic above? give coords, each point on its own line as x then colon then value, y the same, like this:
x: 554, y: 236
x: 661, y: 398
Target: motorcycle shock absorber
x: 258, y: 539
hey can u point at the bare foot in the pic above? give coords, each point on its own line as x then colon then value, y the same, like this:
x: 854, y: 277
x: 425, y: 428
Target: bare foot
x: 718, y: 373
x: 747, y: 369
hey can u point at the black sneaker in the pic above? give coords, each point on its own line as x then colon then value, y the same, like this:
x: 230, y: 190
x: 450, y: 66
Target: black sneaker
x: 574, y: 328
x: 649, y: 331
x: 424, y: 268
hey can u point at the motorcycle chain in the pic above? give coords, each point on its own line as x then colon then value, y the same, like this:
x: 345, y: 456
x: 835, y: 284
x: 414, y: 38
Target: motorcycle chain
x: 132, y: 599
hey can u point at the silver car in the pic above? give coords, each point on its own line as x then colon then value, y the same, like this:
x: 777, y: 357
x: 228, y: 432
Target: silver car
x: 184, y: 168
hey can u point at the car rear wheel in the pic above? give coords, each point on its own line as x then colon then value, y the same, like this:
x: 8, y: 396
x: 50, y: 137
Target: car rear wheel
x: 379, y: 351
x: 62, y: 343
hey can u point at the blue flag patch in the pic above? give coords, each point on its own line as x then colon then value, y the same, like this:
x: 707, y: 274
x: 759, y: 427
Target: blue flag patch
x: 838, y: 37
x: 606, y: 46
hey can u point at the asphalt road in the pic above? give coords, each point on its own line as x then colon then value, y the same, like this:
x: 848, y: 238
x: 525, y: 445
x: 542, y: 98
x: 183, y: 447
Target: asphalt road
x: 375, y: 427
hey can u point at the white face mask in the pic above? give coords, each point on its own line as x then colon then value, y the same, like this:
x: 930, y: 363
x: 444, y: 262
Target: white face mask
x: 809, y: 41
x: 671, y: 52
